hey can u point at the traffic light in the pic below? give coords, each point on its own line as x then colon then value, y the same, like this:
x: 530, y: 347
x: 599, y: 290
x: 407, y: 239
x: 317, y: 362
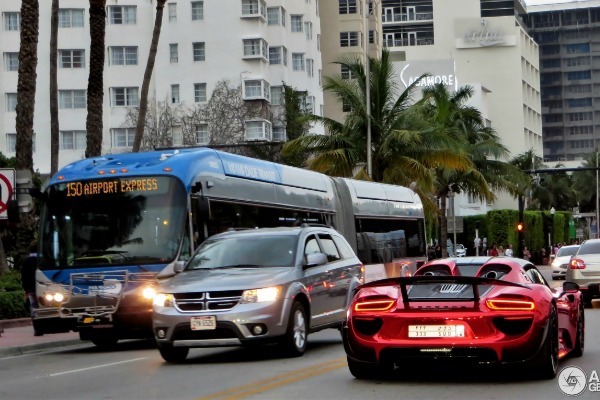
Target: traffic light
x: 520, y: 227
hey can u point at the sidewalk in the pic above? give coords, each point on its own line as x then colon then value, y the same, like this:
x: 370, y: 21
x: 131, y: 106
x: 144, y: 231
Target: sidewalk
x: 17, y: 338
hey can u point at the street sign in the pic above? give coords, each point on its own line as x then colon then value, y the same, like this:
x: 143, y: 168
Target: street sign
x: 7, y: 189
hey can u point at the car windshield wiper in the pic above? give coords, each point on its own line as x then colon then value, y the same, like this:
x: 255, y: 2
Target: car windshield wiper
x: 238, y: 266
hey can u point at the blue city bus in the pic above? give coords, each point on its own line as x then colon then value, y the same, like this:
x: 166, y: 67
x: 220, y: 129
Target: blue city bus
x: 112, y: 226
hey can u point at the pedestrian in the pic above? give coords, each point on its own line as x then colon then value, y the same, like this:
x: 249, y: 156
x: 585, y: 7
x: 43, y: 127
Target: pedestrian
x: 438, y: 251
x: 526, y: 253
x: 484, y: 246
x: 28, y: 281
x: 494, y: 250
x: 500, y: 250
x: 450, y: 247
x: 509, y: 251
x: 431, y: 253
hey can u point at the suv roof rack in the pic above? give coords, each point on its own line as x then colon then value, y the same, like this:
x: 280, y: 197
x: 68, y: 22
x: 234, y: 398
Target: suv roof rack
x: 307, y: 224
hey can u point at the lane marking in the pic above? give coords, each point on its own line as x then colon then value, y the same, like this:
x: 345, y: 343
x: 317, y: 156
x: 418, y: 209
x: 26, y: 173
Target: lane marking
x: 73, y: 371
x: 277, y: 380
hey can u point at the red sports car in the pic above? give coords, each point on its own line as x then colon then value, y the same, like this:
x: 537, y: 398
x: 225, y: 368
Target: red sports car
x: 482, y: 310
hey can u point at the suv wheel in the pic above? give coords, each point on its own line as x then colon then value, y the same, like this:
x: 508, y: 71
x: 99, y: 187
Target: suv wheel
x: 294, y: 342
x: 173, y: 354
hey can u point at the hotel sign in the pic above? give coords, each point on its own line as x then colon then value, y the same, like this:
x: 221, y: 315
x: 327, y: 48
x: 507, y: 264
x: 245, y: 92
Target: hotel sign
x: 438, y: 71
x: 478, y: 32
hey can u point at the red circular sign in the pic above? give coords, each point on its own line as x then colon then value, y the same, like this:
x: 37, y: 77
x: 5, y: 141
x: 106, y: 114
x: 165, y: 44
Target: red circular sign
x: 3, y: 205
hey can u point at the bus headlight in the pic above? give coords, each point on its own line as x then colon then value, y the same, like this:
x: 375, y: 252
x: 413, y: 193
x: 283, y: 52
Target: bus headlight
x: 54, y: 297
x: 149, y: 292
x: 163, y: 300
x: 259, y: 295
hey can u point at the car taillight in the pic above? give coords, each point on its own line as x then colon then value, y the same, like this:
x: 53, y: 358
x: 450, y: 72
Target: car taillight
x: 374, y: 305
x: 510, y: 305
x: 576, y: 263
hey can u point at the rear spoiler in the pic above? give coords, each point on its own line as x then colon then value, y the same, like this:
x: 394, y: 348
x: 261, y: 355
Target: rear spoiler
x: 403, y: 282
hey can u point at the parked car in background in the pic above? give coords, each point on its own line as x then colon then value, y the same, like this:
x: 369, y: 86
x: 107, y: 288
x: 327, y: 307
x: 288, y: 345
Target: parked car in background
x: 257, y: 286
x: 560, y: 263
x: 584, y: 269
x: 460, y: 251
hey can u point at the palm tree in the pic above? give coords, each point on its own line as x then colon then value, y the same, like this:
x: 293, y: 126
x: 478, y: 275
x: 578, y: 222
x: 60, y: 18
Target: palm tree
x: 584, y: 183
x: 26, y: 87
x: 30, y: 15
x: 95, y: 91
x: 403, y: 150
x: 485, y: 172
x: 557, y: 191
x: 139, y: 129
x: 528, y: 187
x: 54, y: 127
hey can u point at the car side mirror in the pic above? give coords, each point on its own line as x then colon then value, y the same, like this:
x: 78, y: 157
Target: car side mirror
x: 570, y: 287
x: 178, y: 267
x: 315, y: 259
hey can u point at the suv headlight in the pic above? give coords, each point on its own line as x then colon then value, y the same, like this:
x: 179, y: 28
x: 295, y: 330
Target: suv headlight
x: 163, y: 300
x: 260, y: 295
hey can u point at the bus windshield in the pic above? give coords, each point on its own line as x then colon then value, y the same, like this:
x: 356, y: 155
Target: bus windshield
x: 118, y: 221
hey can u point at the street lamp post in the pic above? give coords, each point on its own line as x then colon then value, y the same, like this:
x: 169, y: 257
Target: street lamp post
x: 551, y: 234
x: 368, y: 87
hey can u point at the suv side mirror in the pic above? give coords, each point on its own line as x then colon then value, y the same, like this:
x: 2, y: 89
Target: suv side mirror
x: 570, y: 287
x: 315, y: 259
x: 178, y: 267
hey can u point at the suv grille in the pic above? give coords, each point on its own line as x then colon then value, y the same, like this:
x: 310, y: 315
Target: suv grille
x: 207, y: 301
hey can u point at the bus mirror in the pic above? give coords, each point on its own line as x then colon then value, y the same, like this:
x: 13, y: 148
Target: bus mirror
x: 12, y: 211
x: 203, y: 208
x: 37, y: 194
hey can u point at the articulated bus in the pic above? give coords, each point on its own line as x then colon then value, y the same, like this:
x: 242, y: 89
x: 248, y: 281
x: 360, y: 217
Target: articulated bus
x: 111, y: 227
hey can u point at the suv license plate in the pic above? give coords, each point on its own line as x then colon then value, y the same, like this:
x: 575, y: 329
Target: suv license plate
x: 203, y: 323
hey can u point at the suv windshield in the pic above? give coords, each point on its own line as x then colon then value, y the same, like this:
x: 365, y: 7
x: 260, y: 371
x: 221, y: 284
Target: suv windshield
x: 242, y: 251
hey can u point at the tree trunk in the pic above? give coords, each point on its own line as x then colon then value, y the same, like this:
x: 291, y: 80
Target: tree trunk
x: 30, y: 13
x: 54, y: 127
x: 141, y: 122
x: 3, y: 264
x: 95, y: 91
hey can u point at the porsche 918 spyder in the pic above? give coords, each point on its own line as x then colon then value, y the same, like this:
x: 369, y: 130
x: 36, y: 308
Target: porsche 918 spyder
x: 479, y: 310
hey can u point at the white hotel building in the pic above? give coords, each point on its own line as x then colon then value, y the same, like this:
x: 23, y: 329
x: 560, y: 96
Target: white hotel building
x: 260, y: 45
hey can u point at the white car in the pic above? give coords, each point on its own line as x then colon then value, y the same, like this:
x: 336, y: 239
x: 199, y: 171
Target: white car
x: 560, y: 263
x: 460, y: 251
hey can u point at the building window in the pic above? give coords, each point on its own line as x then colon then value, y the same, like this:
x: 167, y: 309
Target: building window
x: 308, y: 30
x: 254, y: 8
x: 347, y: 6
x: 257, y: 130
x: 298, y: 61
x: 71, y: 58
x: 578, y: 75
x: 11, y: 142
x: 175, y: 94
x: 122, y: 137
x: 581, y: 130
x: 124, y: 97
x: 580, y: 116
x: 12, y: 21
x: 583, y: 102
x: 310, y: 64
x: 279, y: 134
x: 578, y: 48
x: 173, y: 53
x: 11, y: 102
x: 197, y: 10
x: 348, y: 39
x: 123, y: 55
x: 200, y: 92
x: 296, y: 23
x: 255, y: 48
x: 276, y: 16
x: 11, y: 61
x: 278, y: 55
x: 277, y: 95
x: 199, y: 52
x: 122, y: 15
x: 309, y: 104
x: 68, y: 99
x: 202, y: 134
x: 70, y: 18
x: 73, y: 140
x: 257, y: 89
x: 318, y: 42
x: 347, y: 73
x: 172, y: 12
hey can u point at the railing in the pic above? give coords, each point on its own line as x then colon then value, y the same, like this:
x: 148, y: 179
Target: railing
x: 408, y: 18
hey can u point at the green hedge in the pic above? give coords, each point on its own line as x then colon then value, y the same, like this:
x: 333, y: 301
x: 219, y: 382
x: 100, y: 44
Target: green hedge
x: 12, y: 297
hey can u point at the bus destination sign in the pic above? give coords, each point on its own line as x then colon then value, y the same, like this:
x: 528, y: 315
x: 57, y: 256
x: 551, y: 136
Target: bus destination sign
x: 91, y: 188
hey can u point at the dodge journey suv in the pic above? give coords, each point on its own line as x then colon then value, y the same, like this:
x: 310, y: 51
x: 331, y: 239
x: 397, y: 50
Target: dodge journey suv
x: 256, y: 286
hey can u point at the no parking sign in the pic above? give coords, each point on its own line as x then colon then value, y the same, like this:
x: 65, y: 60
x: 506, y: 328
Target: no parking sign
x: 7, y: 187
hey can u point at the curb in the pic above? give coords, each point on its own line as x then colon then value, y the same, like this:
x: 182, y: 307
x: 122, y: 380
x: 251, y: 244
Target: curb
x: 14, y: 323
x: 38, y: 347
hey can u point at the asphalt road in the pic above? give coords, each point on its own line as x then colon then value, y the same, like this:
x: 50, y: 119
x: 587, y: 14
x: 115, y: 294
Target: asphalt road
x: 135, y: 370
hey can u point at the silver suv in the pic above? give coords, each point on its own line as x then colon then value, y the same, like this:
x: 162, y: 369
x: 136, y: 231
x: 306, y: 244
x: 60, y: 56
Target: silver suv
x: 270, y: 285
x: 584, y: 269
